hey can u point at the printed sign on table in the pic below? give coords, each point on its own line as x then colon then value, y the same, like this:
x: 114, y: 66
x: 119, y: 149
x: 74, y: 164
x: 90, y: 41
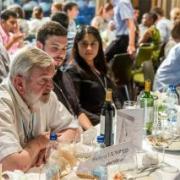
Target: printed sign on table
x: 129, y: 127
x: 110, y: 155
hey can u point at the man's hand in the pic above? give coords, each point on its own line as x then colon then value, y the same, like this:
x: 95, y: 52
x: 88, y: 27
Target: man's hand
x: 68, y: 135
x: 42, y: 140
x: 41, y: 158
x: 17, y: 37
x: 131, y: 49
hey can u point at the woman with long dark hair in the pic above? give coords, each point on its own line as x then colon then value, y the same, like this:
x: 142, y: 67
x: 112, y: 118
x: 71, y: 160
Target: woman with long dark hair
x: 89, y: 72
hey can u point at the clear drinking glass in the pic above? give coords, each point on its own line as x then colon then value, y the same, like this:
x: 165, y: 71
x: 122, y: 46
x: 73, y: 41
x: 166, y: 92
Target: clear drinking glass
x: 129, y: 105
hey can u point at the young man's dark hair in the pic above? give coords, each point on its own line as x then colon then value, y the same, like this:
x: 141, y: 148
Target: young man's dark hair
x: 48, y: 29
x: 69, y: 6
x: 61, y: 18
x: 7, y: 13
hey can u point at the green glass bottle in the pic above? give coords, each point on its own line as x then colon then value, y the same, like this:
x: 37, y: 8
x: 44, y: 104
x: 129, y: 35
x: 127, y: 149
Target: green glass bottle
x: 147, y: 102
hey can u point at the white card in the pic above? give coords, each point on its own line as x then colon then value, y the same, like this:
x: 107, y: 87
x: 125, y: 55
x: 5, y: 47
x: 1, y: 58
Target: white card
x: 121, y: 153
x: 129, y: 126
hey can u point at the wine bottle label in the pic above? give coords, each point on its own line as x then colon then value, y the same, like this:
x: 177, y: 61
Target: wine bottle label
x: 148, y: 119
x: 102, y: 125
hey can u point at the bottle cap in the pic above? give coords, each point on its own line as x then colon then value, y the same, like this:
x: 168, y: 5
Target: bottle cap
x: 100, y: 139
x: 53, y: 136
x: 172, y: 87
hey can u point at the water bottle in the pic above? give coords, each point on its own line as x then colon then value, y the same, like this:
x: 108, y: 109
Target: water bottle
x: 100, y: 171
x: 100, y: 142
x: 52, y: 168
x: 171, y: 102
x: 52, y: 145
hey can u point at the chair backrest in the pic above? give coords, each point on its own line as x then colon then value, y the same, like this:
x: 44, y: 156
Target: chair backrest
x: 148, y: 70
x: 120, y: 68
x: 144, y: 53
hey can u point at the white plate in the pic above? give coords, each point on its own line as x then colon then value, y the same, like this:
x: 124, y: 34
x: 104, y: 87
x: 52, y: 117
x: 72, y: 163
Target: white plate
x: 153, y: 176
x: 173, y: 146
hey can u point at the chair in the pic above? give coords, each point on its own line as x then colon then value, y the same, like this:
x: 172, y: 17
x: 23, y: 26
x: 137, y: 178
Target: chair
x: 120, y: 72
x: 147, y: 73
x: 142, y: 60
x: 144, y: 53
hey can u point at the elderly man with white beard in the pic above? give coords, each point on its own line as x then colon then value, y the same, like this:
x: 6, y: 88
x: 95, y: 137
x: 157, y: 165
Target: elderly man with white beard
x: 29, y: 110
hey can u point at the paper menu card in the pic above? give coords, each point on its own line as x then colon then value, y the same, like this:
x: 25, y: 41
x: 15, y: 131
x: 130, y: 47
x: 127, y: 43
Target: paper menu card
x: 121, y: 153
x: 129, y: 127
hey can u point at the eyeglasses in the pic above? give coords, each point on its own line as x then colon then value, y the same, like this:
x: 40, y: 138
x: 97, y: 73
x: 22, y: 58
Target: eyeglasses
x: 85, y: 44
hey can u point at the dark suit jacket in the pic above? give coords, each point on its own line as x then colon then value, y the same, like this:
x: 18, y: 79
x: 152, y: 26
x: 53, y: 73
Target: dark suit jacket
x: 91, y: 91
x: 65, y: 91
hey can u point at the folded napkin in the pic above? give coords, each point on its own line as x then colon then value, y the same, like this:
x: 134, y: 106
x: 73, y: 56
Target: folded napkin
x: 19, y: 175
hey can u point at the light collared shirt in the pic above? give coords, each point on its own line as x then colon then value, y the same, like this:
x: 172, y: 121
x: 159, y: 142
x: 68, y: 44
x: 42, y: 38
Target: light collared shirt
x: 164, y: 26
x: 18, y: 124
x: 4, y: 62
x: 5, y: 38
x: 169, y: 71
x: 123, y: 11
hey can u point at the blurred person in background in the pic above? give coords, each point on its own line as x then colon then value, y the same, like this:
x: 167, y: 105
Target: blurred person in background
x: 125, y: 30
x: 61, y: 18
x: 103, y: 21
x: 109, y: 35
x: 152, y: 34
x: 174, y: 16
x: 22, y: 22
x: 10, y: 34
x: 4, y: 62
x: 37, y: 20
x: 163, y: 24
x: 142, y: 26
x: 136, y: 15
x: 56, y: 7
x: 89, y: 73
x: 103, y: 17
x: 168, y: 72
x: 72, y: 11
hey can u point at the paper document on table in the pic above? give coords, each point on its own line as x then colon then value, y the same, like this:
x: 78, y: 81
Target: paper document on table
x: 129, y: 126
x: 121, y: 153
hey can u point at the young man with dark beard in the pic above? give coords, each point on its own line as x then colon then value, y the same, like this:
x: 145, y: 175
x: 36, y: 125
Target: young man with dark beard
x: 52, y: 38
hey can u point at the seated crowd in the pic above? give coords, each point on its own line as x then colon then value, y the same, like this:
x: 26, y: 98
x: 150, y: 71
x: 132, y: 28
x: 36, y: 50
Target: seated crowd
x: 54, y: 76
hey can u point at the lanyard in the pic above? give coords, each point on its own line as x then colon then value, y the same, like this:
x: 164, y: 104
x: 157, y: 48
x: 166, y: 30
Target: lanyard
x: 104, y: 84
x: 29, y: 132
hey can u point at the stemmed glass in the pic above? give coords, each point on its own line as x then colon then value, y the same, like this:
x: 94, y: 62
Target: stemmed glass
x: 163, y: 131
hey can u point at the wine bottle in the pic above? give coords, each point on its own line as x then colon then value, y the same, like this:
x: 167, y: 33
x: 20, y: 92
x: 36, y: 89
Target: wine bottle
x: 147, y: 102
x: 107, y: 119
